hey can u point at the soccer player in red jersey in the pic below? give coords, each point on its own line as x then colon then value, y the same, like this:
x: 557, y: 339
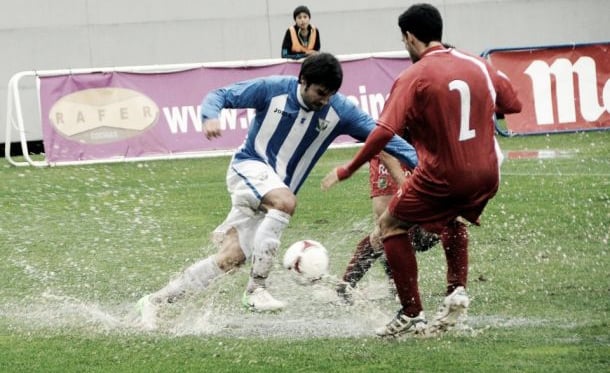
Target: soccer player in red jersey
x: 446, y: 100
x: 386, y: 174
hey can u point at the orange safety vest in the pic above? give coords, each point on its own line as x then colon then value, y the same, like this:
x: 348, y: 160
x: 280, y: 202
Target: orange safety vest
x: 297, y: 47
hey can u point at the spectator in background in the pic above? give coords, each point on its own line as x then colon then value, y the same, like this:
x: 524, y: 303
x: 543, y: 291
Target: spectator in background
x: 301, y: 39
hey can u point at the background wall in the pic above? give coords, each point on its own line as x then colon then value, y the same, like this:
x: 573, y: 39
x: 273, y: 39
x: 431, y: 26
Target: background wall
x: 59, y: 34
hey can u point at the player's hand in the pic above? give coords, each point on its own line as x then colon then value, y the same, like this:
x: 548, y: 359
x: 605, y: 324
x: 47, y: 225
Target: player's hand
x: 330, y: 179
x: 211, y: 128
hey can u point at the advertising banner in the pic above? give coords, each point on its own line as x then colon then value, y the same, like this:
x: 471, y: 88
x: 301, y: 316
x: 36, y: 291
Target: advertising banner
x: 118, y: 115
x: 562, y: 88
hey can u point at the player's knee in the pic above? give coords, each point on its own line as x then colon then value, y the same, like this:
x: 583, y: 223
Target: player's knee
x: 227, y: 263
x: 230, y: 257
x: 375, y: 239
x: 456, y: 229
x: 390, y: 226
x: 385, y: 230
x: 280, y: 199
x: 391, y: 230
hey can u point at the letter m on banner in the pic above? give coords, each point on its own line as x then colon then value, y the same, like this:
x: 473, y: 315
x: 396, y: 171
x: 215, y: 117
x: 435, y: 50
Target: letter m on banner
x: 563, y: 88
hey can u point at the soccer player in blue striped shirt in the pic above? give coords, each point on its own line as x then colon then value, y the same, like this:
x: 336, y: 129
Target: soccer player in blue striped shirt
x: 296, y: 120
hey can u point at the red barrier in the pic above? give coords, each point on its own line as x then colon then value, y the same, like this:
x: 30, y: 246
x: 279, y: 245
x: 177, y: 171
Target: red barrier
x: 563, y: 88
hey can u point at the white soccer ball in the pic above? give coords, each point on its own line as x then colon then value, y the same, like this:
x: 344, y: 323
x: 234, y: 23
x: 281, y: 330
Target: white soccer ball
x: 307, y: 260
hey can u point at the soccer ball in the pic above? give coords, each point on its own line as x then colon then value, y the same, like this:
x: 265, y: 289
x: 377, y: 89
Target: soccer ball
x: 307, y: 260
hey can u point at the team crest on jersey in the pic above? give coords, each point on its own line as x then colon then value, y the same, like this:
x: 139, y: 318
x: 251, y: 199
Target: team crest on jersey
x: 382, y: 183
x: 322, y: 124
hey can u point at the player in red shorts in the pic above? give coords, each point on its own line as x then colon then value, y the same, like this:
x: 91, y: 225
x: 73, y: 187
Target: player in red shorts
x: 386, y: 174
x: 446, y: 101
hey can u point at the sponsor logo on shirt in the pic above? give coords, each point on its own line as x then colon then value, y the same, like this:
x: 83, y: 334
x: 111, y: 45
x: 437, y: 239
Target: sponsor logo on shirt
x: 282, y: 113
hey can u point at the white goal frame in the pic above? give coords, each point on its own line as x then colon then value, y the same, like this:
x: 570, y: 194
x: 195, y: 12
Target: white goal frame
x: 14, y: 112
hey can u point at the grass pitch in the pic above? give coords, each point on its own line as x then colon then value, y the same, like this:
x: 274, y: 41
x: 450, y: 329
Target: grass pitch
x: 80, y: 244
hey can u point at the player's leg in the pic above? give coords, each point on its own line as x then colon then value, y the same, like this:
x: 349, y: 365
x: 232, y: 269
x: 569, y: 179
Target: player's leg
x: 359, y: 264
x: 386, y: 176
x: 454, y: 307
x: 370, y: 247
x: 400, y: 255
x: 234, y: 238
x: 278, y: 203
x: 455, y: 245
x: 403, y: 263
x: 421, y: 241
x: 198, y: 276
x: 361, y: 261
x: 256, y: 190
x: 195, y: 278
x: 396, y: 226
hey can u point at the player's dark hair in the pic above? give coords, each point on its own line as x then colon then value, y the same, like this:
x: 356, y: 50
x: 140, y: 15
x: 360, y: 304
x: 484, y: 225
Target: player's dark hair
x: 424, y: 21
x: 300, y: 9
x: 323, y: 69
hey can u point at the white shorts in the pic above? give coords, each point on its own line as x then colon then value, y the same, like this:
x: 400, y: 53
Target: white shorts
x: 247, y: 183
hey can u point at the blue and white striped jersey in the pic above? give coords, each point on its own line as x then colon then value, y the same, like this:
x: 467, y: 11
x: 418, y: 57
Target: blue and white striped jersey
x: 286, y: 134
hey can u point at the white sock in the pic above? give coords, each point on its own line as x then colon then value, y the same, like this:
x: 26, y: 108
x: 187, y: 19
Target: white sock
x: 266, y: 245
x: 197, y: 277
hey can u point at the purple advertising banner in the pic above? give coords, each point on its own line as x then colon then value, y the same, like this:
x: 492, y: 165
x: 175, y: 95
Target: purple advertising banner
x: 118, y: 115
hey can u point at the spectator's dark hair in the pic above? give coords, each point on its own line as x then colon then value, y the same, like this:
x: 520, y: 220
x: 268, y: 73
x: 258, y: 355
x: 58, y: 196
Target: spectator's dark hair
x: 300, y: 9
x: 424, y: 21
x: 323, y: 69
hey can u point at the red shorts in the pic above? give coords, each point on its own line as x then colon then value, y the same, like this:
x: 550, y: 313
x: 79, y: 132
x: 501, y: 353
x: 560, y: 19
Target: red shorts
x: 433, y: 213
x: 380, y: 180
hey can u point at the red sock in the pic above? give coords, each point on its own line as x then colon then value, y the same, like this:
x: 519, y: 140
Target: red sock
x: 402, y: 261
x: 455, y: 244
x: 361, y: 261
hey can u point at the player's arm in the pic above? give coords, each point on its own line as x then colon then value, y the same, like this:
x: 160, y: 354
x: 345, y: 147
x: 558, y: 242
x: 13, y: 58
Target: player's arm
x: 211, y: 106
x: 241, y: 95
x: 394, y: 112
x: 362, y: 125
x: 211, y: 128
x: 373, y: 145
x: 246, y: 94
x: 507, y: 101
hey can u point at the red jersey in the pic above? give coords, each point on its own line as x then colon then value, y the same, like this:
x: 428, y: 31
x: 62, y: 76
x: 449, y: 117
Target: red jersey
x: 447, y: 101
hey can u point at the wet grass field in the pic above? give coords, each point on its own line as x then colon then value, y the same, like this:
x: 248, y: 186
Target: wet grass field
x: 79, y: 245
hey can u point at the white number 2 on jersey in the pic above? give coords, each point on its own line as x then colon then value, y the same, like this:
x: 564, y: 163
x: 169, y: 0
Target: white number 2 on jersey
x: 465, y: 132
